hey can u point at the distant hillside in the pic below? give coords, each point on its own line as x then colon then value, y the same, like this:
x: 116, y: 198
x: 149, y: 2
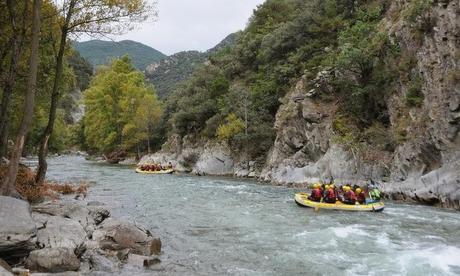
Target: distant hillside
x: 168, y: 73
x: 100, y: 52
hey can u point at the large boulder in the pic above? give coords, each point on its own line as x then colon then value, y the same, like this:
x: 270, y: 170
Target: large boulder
x: 119, y: 235
x: 53, y: 260
x: 98, y: 261
x: 87, y: 215
x: 17, y: 229
x: 56, y: 232
x: 5, y: 268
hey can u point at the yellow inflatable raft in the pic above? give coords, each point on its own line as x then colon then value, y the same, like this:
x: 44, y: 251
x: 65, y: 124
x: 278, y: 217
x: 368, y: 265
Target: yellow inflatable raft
x: 302, y: 200
x: 138, y: 170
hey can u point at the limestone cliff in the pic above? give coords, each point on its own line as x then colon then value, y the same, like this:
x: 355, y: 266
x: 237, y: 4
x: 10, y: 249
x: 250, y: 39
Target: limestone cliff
x: 425, y: 164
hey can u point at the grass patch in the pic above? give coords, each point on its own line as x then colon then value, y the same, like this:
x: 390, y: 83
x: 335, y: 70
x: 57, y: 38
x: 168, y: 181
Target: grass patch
x: 25, y: 185
x: 414, y: 95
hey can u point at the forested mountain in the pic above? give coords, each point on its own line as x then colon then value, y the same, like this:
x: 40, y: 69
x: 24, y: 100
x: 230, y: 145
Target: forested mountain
x: 169, y: 72
x: 100, y: 52
x: 329, y: 89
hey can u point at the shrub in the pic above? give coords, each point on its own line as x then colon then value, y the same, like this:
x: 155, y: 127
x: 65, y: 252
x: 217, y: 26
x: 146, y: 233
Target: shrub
x: 417, y: 8
x: 414, y: 95
x: 232, y: 127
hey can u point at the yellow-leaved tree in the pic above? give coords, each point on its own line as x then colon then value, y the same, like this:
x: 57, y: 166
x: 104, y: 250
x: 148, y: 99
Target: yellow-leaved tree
x: 232, y: 126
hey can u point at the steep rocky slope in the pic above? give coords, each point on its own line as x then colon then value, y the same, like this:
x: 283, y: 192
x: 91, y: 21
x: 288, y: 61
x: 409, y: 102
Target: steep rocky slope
x: 425, y: 165
x: 415, y: 155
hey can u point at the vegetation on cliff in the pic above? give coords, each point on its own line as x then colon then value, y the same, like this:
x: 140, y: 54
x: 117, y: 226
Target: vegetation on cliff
x: 285, y: 40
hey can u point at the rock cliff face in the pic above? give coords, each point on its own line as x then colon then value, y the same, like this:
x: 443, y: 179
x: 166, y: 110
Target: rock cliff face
x: 201, y: 158
x: 425, y: 166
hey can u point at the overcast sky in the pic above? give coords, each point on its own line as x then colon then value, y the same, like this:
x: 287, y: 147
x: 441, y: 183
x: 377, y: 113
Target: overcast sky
x: 193, y: 24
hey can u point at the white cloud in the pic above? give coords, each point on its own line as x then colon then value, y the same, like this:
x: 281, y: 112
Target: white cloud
x: 192, y: 24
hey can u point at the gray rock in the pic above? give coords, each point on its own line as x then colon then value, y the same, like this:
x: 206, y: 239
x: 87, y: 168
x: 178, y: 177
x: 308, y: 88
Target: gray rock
x: 5, y: 268
x: 4, y: 272
x: 17, y: 229
x: 53, y: 260
x: 86, y: 215
x: 98, y: 262
x: 214, y: 160
x: 142, y: 261
x: 59, y: 232
x: 118, y: 235
x: 67, y: 273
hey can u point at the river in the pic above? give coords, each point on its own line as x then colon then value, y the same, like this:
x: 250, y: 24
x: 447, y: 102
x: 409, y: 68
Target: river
x: 224, y: 226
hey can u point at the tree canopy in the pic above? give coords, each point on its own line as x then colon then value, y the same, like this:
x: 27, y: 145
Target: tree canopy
x: 121, y: 109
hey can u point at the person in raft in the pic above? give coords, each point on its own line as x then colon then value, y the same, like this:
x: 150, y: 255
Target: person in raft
x: 349, y: 196
x: 331, y: 195
x: 360, y: 196
x: 374, y: 192
x: 316, y: 193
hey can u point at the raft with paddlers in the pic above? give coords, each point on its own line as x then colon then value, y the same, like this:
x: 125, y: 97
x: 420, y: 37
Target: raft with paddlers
x: 168, y: 171
x: 155, y: 169
x: 373, y: 206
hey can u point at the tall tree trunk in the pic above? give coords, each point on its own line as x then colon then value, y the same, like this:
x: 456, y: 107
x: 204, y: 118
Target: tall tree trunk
x: 43, y: 152
x: 8, y: 185
x: 16, y: 45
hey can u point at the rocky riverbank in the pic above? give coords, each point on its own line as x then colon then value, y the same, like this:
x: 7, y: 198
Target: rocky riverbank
x: 77, y: 237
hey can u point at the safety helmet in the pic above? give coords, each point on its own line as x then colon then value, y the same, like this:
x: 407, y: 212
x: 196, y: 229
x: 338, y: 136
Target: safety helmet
x: 317, y: 185
x: 327, y: 187
x: 358, y: 190
x: 332, y: 186
x: 346, y: 188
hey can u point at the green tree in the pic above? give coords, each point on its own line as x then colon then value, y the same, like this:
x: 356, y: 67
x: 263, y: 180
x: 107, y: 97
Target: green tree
x: 121, y: 109
x: 93, y: 17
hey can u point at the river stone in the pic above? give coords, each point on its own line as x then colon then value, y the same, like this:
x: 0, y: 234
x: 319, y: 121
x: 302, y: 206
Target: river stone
x: 4, y: 272
x: 87, y: 216
x: 98, y: 262
x: 5, y: 268
x: 118, y: 235
x: 53, y: 260
x: 142, y: 261
x: 67, y: 273
x: 59, y: 232
x: 17, y: 229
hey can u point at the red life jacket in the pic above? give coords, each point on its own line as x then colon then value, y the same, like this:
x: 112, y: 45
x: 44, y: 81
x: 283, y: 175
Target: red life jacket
x: 350, y: 195
x: 316, y: 194
x: 331, y: 193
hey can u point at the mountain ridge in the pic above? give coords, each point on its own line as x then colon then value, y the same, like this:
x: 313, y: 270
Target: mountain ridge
x: 168, y: 73
x: 100, y: 52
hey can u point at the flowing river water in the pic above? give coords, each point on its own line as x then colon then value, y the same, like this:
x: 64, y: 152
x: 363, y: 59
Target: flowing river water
x: 224, y: 226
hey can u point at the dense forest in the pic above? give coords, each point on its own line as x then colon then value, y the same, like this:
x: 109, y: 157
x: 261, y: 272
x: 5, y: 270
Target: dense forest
x: 42, y: 76
x: 235, y: 96
x: 99, y: 52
